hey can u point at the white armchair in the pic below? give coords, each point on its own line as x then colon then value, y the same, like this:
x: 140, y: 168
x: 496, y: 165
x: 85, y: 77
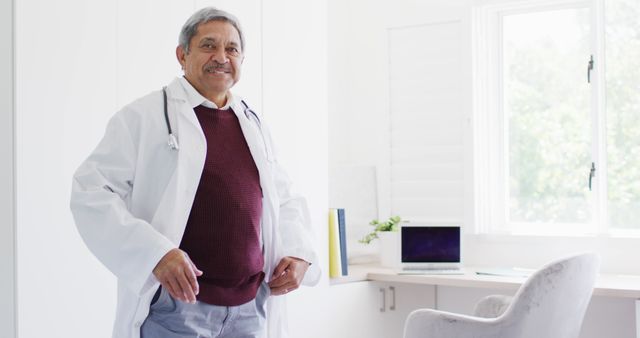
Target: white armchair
x: 550, y: 304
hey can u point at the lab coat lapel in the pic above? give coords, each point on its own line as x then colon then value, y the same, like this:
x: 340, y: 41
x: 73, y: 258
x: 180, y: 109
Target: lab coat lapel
x: 176, y: 93
x: 174, y: 209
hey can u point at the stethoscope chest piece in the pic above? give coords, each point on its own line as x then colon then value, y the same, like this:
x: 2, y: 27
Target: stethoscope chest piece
x: 173, y: 142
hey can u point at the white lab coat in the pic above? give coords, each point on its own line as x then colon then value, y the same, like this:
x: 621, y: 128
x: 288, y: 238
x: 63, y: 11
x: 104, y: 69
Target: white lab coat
x: 132, y: 196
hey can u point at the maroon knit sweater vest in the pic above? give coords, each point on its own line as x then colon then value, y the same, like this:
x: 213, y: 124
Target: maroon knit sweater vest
x: 222, y: 236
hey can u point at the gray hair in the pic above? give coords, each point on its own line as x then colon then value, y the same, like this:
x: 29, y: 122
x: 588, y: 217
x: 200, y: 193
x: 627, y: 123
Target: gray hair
x: 205, y: 15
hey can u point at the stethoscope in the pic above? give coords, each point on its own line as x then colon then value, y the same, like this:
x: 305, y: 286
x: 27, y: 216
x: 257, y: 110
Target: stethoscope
x: 173, y: 141
x: 248, y: 112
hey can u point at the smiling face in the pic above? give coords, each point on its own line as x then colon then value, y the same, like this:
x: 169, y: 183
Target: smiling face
x: 213, y: 62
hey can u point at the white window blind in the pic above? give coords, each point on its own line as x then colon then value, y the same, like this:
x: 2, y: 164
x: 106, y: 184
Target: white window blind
x: 426, y: 111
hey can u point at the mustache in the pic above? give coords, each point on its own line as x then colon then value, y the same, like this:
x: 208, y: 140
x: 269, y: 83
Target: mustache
x: 217, y: 66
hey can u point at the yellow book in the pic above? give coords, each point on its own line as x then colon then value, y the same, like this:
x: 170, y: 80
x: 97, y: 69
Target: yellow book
x: 335, y: 269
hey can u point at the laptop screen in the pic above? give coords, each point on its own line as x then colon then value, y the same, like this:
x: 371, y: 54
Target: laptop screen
x: 430, y: 244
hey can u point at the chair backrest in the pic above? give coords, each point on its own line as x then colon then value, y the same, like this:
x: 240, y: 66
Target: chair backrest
x: 553, y: 301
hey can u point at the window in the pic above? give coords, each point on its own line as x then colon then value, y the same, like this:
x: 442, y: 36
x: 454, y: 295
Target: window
x: 557, y: 117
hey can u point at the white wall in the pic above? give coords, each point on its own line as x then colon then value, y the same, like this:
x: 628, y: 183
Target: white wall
x: 79, y: 61
x: 358, y: 114
x: 295, y: 106
x: 361, y: 95
x: 7, y: 174
x: 69, y: 61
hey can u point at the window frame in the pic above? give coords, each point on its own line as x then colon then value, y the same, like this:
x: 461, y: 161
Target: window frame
x: 490, y: 131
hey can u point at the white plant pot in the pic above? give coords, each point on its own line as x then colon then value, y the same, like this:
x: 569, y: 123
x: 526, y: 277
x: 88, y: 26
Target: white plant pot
x: 389, y: 248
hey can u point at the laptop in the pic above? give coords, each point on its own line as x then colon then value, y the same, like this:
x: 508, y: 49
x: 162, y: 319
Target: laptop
x: 430, y: 249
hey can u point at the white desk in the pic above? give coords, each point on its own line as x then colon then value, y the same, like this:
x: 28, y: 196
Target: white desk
x: 625, y: 286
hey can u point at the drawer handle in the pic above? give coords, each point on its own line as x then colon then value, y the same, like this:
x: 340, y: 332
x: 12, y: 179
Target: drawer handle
x: 393, y: 298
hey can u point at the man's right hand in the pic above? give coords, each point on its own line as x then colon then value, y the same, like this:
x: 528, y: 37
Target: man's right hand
x: 178, y: 275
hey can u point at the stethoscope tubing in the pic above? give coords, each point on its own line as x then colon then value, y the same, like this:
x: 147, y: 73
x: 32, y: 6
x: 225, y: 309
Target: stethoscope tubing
x: 166, y: 111
x: 173, y: 141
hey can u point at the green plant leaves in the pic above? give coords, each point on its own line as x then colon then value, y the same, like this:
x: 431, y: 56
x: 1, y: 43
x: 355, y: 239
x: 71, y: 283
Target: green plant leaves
x: 390, y: 225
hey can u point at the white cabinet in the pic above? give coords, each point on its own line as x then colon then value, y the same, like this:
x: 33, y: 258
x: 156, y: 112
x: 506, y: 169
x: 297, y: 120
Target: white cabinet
x: 373, y: 309
x: 355, y: 310
x: 401, y: 300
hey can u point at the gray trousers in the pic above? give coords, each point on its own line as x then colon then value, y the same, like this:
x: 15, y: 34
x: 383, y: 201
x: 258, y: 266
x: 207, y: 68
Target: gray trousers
x: 170, y: 318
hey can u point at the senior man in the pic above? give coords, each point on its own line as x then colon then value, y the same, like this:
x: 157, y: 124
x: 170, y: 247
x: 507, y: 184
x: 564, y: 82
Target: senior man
x: 185, y: 203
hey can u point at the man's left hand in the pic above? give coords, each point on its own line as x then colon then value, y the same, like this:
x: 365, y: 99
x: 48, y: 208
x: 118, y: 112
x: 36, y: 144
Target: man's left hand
x: 288, y: 275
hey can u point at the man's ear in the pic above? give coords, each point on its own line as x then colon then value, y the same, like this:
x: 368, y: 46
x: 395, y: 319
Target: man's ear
x: 180, y: 55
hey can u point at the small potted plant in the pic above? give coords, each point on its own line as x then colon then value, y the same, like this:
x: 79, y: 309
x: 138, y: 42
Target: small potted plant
x: 387, y: 232
x: 389, y: 225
